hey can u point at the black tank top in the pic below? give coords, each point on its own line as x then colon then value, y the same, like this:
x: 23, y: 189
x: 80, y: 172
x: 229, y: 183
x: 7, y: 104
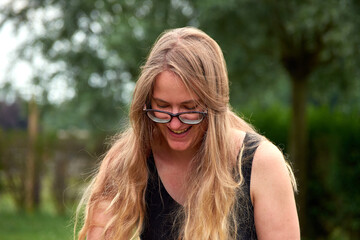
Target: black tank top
x: 160, y: 206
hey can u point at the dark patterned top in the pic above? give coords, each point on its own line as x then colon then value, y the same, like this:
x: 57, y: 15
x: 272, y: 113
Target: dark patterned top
x: 160, y: 206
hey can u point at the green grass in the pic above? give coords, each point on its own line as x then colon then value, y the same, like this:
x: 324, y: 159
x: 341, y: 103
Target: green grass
x: 37, y: 226
x: 44, y: 224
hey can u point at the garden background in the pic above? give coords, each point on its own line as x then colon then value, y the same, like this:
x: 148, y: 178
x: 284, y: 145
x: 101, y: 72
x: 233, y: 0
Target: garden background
x: 294, y: 72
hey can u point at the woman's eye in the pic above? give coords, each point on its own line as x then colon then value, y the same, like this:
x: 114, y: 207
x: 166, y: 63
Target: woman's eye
x: 190, y: 107
x: 162, y: 106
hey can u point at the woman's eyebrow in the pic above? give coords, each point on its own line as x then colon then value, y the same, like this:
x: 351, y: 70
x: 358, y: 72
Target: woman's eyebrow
x: 189, y: 101
x: 160, y: 100
x: 184, y: 102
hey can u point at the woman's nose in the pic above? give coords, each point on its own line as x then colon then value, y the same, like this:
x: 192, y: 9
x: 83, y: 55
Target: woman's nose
x: 175, y: 123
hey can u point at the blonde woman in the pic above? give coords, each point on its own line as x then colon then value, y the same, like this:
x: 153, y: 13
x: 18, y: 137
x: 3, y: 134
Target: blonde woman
x: 187, y: 167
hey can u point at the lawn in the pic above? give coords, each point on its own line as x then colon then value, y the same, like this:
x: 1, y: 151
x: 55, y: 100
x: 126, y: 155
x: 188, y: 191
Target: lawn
x: 37, y: 226
x: 44, y: 224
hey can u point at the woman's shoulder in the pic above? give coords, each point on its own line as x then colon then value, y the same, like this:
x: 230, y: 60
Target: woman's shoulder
x: 238, y: 137
x: 269, y: 158
x: 269, y: 170
x: 246, y: 139
x: 272, y: 194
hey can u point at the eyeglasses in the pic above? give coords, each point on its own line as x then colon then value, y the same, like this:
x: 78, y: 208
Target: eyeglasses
x: 191, y: 117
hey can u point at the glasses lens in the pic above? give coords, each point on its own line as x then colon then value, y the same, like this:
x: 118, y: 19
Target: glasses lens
x: 191, y: 118
x: 163, y: 117
x: 159, y: 117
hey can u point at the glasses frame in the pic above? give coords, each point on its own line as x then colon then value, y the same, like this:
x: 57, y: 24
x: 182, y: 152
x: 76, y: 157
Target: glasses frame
x: 177, y: 115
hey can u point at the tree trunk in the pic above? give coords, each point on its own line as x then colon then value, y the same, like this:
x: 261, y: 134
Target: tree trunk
x: 299, y: 143
x: 60, y: 172
x: 31, y: 156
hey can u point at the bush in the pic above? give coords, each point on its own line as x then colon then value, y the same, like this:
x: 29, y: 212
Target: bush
x: 334, y: 154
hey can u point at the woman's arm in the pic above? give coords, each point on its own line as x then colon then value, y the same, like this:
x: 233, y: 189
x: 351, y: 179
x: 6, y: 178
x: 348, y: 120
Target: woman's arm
x: 272, y: 195
x: 98, y: 220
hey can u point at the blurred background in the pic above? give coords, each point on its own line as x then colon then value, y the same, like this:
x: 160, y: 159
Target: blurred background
x: 68, y: 69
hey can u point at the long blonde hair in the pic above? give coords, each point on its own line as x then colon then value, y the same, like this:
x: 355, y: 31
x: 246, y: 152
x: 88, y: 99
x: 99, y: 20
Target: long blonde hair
x: 209, y: 210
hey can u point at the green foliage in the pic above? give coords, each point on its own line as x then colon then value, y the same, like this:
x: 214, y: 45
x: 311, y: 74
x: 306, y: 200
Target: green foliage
x: 272, y: 122
x: 266, y: 42
x: 61, y: 161
x: 12, y: 159
x: 94, y: 49
x: 334, y: 154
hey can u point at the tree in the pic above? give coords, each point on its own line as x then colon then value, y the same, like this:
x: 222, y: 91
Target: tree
x: 299, y: 40
x: 94, y: 48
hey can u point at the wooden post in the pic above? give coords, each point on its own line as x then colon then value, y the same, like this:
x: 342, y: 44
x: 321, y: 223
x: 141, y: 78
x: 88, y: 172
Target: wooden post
x: 33, y: 117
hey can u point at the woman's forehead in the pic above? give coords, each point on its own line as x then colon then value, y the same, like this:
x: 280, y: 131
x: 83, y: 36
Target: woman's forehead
x: 169, y: 86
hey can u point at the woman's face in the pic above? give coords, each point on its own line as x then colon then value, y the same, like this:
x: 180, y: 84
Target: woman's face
x: 171, y: 95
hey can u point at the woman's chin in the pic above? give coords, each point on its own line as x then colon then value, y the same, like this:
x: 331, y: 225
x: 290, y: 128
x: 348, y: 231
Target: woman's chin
x: 179, y: 146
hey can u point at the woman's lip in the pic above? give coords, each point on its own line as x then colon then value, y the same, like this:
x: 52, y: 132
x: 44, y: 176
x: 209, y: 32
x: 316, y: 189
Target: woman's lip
x: 182, y: 134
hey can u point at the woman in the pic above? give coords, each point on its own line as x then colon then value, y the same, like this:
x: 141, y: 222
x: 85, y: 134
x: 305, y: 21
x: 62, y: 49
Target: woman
x: 188, y: 167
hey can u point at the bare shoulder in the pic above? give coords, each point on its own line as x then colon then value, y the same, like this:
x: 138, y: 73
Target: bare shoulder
x: 272, y: 195
x: 269, y: 168
x: 238, y: 137
x: 268, y: 158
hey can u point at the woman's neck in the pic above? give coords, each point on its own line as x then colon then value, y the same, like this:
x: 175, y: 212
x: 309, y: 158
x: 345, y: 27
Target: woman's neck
x: 165, y: 154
